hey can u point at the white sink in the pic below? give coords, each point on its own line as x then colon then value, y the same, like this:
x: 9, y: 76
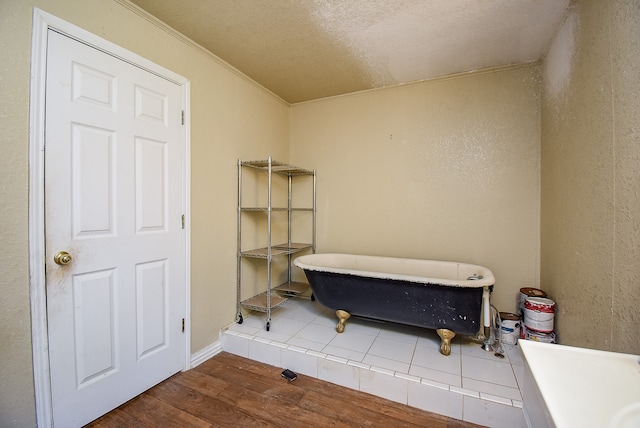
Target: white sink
x: 566, y: 386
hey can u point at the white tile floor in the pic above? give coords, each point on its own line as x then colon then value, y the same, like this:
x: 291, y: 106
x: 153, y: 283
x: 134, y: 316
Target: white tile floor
x: 397, y: 362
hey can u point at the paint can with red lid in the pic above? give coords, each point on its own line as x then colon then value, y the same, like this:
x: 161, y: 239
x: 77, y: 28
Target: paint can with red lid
x: 539, y: 314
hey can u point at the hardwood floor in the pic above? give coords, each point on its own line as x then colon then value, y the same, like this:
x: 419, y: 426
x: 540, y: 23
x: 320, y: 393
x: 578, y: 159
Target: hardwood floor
x: 231, y: 391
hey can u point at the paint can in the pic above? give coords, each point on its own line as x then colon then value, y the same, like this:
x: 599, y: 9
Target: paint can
x: 509, y: 328
x: 528, y: 292
x: 539, y: 313
x: 537, y: 336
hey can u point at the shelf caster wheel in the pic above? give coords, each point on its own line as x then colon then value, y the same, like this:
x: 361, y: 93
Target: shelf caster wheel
x: 268, y: 325
x: 239, y: 318
x: 313, y: 297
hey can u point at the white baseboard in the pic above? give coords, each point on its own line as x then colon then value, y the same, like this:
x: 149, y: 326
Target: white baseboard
x: 206, y: 353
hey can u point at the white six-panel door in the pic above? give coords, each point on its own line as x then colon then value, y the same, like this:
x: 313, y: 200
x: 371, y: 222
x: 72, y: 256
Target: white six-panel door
x: 113, y: 202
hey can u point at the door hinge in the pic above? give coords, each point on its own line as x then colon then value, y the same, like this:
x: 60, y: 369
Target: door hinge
x: 183, y: 325
x: 182, y: 117
x: 183, y: 221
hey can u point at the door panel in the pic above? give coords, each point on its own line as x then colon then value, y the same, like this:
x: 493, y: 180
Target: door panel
x: 92, y: 181
x: 151, y: 299
x: 151, y: 185
x: 96, y: 346
x: 113, y: 200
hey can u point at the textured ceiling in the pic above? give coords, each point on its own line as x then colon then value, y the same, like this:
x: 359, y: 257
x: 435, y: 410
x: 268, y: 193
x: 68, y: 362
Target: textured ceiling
x: 308, y: 49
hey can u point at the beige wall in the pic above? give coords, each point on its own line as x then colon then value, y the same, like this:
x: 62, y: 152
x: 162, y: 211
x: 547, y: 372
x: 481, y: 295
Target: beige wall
x: 231, y: 117
x: 590, y: 230
x: 446, y: 169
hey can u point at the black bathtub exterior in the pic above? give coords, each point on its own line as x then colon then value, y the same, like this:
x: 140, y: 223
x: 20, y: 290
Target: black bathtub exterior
x: 433, y: 306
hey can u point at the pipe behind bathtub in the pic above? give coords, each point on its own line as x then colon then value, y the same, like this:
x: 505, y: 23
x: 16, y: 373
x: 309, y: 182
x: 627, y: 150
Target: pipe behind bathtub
x: 486, y: 319
x: 497, y: 327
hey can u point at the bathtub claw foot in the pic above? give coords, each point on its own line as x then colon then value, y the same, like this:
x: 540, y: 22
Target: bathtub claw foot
x: 343, y: 316
x: 445, y: 340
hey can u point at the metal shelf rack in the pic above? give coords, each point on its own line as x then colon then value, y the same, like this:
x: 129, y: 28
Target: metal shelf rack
x: 273, y: 297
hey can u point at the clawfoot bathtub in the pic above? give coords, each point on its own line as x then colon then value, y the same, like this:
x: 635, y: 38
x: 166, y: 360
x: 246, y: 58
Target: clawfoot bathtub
x: 445, y: 296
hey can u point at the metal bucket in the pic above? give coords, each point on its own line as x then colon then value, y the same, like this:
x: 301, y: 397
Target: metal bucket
x: 509, y: 328
x: 539, y: 314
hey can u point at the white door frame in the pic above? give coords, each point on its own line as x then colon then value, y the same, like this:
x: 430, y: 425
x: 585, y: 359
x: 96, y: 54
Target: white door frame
x: 42, y: 22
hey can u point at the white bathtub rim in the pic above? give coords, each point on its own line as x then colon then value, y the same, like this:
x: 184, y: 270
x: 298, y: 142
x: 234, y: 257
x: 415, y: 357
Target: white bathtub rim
x: 571, y: 379
x: 464, y: 269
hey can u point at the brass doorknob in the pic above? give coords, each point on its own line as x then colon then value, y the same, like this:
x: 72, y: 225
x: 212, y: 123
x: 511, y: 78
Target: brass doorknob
x: 62, y: 258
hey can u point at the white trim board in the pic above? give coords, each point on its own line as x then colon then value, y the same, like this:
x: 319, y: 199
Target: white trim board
x: 42, y: 23
x: 205, y: 354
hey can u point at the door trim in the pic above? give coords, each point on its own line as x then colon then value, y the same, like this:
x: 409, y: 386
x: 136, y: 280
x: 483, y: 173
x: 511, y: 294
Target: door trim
x: 42, y: 22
